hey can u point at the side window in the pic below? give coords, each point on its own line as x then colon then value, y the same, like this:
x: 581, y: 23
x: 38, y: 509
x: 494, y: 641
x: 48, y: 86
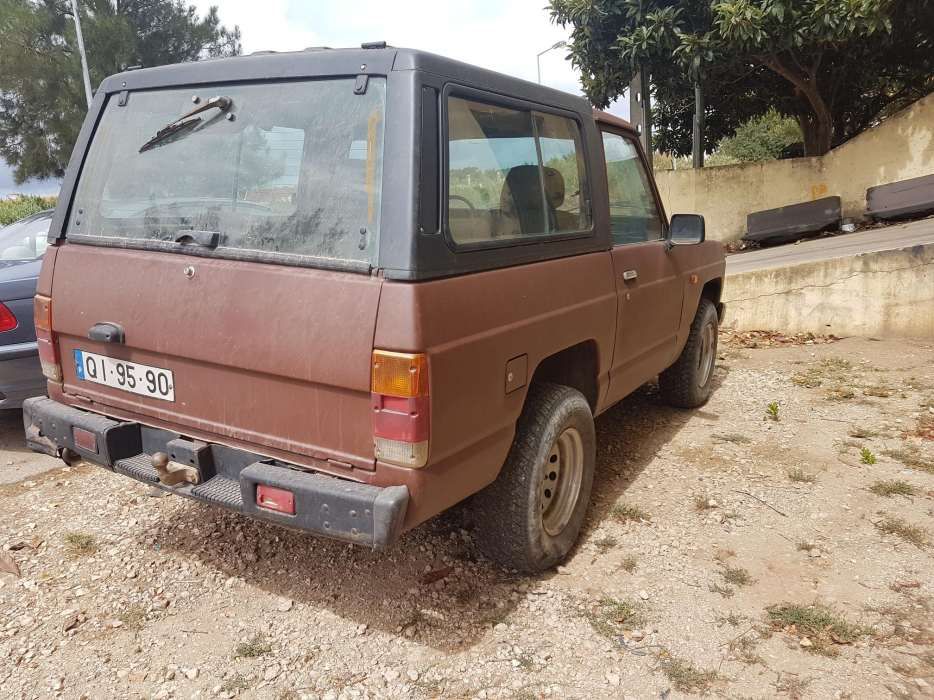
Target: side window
x: 498, y: 187
x: 634, y: 217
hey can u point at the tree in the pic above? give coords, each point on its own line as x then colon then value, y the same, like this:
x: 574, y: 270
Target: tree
x: 42, y: 102
x: 761, y: 138
x: 835, y: 66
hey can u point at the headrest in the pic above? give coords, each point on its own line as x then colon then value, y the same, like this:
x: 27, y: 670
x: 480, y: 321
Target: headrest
x: 554, y: 187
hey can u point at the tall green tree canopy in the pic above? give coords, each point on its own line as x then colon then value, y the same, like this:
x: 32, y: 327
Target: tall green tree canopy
x: 42, y: 101
x: 836, y: 66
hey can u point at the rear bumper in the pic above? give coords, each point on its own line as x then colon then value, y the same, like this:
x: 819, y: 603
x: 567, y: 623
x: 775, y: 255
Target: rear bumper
x: 324, y: 505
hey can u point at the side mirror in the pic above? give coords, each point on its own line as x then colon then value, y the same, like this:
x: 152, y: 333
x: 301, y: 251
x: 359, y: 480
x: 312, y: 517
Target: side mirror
x: 686, y: 229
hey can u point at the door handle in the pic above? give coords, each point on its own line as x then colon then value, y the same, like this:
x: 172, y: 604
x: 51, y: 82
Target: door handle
x: 630, y: 275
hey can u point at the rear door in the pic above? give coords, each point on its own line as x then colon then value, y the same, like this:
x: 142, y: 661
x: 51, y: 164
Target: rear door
x: 227, y: 256
x: 648, y: 283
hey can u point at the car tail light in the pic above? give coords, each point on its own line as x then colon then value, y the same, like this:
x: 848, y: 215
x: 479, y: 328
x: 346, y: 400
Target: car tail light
x: 45, y: 339
x: 279, y: 500
x: 401, y: 407
x: 7, y: 320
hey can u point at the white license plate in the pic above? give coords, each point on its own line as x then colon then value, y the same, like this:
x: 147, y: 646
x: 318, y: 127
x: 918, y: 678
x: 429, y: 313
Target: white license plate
x: 129, y: 376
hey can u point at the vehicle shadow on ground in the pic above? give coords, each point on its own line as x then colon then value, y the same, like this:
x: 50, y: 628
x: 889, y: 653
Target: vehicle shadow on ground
x: 392, y: 590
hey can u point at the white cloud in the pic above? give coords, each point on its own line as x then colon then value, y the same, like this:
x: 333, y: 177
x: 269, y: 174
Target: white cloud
x: 504, y: 36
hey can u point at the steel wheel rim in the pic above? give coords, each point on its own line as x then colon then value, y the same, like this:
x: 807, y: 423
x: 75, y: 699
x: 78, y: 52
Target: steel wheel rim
x: 561, y: 481
x: 707, y: 354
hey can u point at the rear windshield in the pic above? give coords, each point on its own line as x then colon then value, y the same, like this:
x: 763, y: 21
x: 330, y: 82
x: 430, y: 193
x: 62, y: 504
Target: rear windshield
x: 287, y: 167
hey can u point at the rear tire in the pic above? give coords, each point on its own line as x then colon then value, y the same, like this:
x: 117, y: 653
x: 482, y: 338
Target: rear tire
x: 530, y: 517
x: 689, y: 381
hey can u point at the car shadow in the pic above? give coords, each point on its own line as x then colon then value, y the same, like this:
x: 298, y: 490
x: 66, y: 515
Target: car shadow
x: 432, y: 586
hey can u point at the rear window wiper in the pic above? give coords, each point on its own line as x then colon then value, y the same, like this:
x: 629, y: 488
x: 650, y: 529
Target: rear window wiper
x: 186, y: 123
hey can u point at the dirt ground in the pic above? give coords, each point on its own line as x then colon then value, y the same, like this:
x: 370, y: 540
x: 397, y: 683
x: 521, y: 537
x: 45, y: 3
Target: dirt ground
x: 775, y: 543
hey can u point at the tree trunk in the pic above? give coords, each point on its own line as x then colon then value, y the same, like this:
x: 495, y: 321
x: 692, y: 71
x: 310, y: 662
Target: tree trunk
x: 814, y: 116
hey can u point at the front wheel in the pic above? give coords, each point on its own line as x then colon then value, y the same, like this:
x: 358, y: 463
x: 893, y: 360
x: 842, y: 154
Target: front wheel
x: 530, y: 517
x: 689, y: 381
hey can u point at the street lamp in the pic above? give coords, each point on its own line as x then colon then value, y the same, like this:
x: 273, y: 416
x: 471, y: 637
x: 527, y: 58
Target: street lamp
x: 84, y: 58
x: 538, y: 58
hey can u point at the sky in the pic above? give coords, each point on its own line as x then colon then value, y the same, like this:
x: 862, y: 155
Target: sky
x: 502, y: 35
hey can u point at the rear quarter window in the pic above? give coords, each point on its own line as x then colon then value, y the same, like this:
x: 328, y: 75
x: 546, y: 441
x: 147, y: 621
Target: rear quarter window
x: 513, y: 174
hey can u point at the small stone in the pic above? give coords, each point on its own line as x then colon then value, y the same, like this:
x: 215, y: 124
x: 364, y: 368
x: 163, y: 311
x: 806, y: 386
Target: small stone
x: 192, y: 673
x: 285, y: 605
x: 921, y: 683
x: 412, y: 674
x: 612, y: 678
x: 637, y: 635
x: 271, y: 672
x: 805, y: 642
x: 500, y: 626
x: 644, y: 595
x: 123, y: 673
x: 391, y: 675
x: 57, y: 684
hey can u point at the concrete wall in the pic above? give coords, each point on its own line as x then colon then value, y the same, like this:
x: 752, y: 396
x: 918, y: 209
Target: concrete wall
x: 901, y: 147
x: 883, y: 294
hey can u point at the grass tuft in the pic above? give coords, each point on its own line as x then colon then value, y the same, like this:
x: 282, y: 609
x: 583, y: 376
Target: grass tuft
x: 798, y: 475
x: 915, y: 534
x: 629, y: 564
x: 911, y: 456
x: 81, y: 544
x: 625, y: 512
x: 133, y: 618
x: 893, y: 488
x: 771, y: 411
x: 611, y: 616
x: 685, y: 677
x: 866, y: 456
x: 736, y: 576
x: 818, y: 623
x: 703, y: 502
x: 254, y: 648
x: 606, y: 543
x: 735, y: 438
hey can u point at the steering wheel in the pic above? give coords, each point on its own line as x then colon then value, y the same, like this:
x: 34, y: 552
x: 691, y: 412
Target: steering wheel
x: 464, y: 200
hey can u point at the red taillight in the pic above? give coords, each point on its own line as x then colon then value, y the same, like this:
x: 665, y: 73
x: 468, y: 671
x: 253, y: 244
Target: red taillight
x: 7, y: 320
x: 401, y: 407
x: 45, y: 339
x: 84, y: 439
x: 278, y: 500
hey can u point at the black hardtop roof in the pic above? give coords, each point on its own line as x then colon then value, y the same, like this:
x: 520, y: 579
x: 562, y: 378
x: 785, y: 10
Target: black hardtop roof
x: 323, y: 62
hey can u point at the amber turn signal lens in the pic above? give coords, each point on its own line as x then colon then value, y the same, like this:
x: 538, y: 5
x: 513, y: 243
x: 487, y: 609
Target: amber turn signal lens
x: 42, y: 313
x: 399, y: 374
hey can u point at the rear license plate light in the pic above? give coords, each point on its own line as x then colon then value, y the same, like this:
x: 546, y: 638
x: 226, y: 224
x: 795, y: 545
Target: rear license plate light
x: 278, y: 500
x: 84, y: 439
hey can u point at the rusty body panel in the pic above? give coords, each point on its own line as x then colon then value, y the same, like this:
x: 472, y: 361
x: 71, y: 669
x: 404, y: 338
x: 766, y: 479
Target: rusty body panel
x: 272, y: 361
x: 273, y: 355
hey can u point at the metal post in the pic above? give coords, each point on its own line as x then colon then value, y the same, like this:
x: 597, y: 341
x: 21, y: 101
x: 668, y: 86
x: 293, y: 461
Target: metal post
x: 698, y: 125
x: 640, y: 111
x: 84, y: 58
x: 538, y: 57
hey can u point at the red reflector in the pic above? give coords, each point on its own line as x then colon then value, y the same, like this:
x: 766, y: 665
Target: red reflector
x: 279, y: 500
x: 84, y: 439
x: 7, y: 320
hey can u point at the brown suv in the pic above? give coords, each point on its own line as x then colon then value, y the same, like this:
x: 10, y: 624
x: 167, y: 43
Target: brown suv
x: 343, y: 290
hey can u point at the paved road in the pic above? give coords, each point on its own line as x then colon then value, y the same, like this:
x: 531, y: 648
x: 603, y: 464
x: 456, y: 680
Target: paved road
x: 840, y: 246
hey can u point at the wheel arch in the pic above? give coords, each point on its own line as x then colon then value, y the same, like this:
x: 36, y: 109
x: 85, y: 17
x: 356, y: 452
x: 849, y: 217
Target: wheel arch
x: 576, y: 366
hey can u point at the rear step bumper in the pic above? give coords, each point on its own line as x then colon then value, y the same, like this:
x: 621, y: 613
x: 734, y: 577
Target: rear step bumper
x: 324, y: 505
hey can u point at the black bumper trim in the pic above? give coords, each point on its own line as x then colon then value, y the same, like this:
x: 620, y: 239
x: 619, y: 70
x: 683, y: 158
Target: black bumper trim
x: 324, y: 505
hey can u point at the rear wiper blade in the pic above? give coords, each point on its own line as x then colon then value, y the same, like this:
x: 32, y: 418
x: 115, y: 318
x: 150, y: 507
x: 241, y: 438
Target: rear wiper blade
x: 185, y: 123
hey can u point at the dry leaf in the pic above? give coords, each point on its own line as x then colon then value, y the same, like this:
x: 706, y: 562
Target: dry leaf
x: 8, y: 565
x: 436, y: 575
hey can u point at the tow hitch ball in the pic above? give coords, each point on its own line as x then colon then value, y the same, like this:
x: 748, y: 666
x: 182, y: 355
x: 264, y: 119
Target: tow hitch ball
x: 174, y: 473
